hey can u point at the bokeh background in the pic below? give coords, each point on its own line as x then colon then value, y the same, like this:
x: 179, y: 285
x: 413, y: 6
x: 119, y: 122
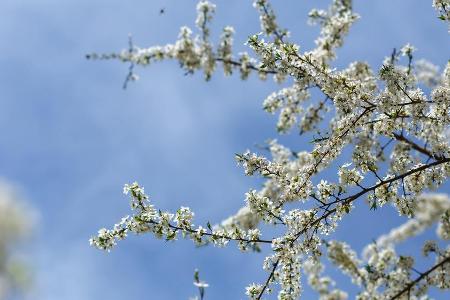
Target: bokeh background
x: 71, y: 137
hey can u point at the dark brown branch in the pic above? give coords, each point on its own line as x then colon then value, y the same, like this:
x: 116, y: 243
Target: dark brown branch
x: 275, y: 265
x: 250, y: 66
x: 149, y: 57
x: 423, y: 150
x: 190, y: 230
x: 423, y: 275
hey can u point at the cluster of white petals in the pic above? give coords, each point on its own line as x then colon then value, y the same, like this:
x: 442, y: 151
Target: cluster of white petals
x: 167, y: 225
x: 395, y: 123
x: 443, y: 7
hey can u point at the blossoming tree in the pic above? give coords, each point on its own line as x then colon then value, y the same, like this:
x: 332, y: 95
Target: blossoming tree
x: 394, y: 121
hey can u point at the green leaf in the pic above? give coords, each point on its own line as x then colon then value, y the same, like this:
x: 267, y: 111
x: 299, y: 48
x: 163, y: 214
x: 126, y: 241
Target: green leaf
x: 347, y: 208
x: 171, y: 236
x: 209, y: 226
x: 196, y: 276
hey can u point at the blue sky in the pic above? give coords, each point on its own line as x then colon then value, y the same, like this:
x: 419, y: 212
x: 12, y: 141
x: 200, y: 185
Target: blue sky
x: 71, y: 137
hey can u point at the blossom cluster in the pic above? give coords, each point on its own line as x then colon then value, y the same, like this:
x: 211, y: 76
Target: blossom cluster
x: 193, y: 52
x: 168, y: 226
x: 443, y: 7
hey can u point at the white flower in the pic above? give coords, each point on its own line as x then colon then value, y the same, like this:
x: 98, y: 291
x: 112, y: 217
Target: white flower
x: 201, y: 284
x: 253, y: 290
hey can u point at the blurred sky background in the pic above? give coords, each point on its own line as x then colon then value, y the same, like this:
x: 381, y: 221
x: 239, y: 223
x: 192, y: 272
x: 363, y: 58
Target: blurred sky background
x: 71, y: 137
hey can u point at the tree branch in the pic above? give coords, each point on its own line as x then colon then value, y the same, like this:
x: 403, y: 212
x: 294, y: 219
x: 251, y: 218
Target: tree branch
x: 275, y: 265
x: 190, y: 230
x: 410, y: 285
x: 423, y: 150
